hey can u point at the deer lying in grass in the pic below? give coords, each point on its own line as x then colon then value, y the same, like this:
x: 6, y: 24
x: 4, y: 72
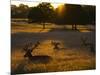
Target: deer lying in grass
x: 55, y: 44
x: 88, y: 44
x: 37, y: 58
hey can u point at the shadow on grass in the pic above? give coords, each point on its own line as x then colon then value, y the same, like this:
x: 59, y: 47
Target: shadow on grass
x: 61, y: 30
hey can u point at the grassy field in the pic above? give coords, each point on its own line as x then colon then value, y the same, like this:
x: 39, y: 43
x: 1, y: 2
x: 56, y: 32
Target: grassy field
x: 72, y: 55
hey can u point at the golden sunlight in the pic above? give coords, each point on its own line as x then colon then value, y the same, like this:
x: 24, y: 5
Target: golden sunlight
x: 56, y: 5
x: 60, y: 9
x: 31, y: 4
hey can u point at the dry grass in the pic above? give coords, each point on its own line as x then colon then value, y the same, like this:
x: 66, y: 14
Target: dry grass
x: 71, y: 55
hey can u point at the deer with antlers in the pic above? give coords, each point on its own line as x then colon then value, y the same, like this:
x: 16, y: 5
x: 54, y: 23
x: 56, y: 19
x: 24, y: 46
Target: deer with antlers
x: 36, y: 58
x: 88, y: 44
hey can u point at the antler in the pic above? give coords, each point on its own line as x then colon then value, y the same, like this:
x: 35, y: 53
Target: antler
x: 27, y: 46
x: 30, y: 47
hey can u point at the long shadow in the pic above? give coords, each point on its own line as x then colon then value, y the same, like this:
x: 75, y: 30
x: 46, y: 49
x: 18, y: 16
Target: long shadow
x: 62, y: 30
x: 21, y: 38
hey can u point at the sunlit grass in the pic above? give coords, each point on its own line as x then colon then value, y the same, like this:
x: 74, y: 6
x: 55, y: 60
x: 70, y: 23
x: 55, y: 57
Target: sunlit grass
x: 38, y: 28
x: 60, y: 63
x: 69, y: 57
x: 63, y: 60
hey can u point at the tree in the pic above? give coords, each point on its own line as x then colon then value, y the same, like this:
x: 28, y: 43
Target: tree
x: 90, y: 13
x: 23, y: 11
x: 72, y: 14
x: 34, y: 14
x: 20, y: 11
x: 42, y: 13
x: 13, y: 11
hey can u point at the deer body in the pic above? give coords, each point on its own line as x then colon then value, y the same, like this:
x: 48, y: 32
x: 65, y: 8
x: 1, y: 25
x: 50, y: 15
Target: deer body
x: 37, y: 58
x: 55, y: 44
x: 88, y: 44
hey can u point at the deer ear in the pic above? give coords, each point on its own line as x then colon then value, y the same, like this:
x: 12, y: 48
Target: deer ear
x: 31, y: 51
x: 25, y: 55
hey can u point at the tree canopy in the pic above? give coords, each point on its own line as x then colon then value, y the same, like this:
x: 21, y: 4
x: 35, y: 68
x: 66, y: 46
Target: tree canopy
x: 20, y: 11
x: 63, y: 14
x: 42, y: 13
x: 72, y: 14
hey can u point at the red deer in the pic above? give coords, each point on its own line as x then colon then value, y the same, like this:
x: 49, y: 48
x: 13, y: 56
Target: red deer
x: 37, y: 58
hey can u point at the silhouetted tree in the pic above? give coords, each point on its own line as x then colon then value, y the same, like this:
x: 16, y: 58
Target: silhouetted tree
x: 20, y: 11
x: 72, y: 14
x: 35, y: 14
x: 13, y: 11
x: 90, y: 13
x: 41, y: 13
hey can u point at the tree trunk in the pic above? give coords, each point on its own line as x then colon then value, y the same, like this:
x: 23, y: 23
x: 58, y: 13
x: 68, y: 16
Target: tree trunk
x: 43, y: 25
x: 75, y: 27
x: 64, y: 27
x: 72, y: 27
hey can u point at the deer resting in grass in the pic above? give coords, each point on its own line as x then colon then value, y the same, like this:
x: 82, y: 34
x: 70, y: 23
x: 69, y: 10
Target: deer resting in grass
x: 55, y: 44
x: 88, y: 44
x: 37, y: 58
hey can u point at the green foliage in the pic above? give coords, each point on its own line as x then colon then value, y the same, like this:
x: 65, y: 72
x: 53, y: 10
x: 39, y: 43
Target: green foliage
x: 42, y: 13
x: 19, y: 12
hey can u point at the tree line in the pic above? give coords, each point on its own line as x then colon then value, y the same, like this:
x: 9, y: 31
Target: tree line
x: 65, y: 14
